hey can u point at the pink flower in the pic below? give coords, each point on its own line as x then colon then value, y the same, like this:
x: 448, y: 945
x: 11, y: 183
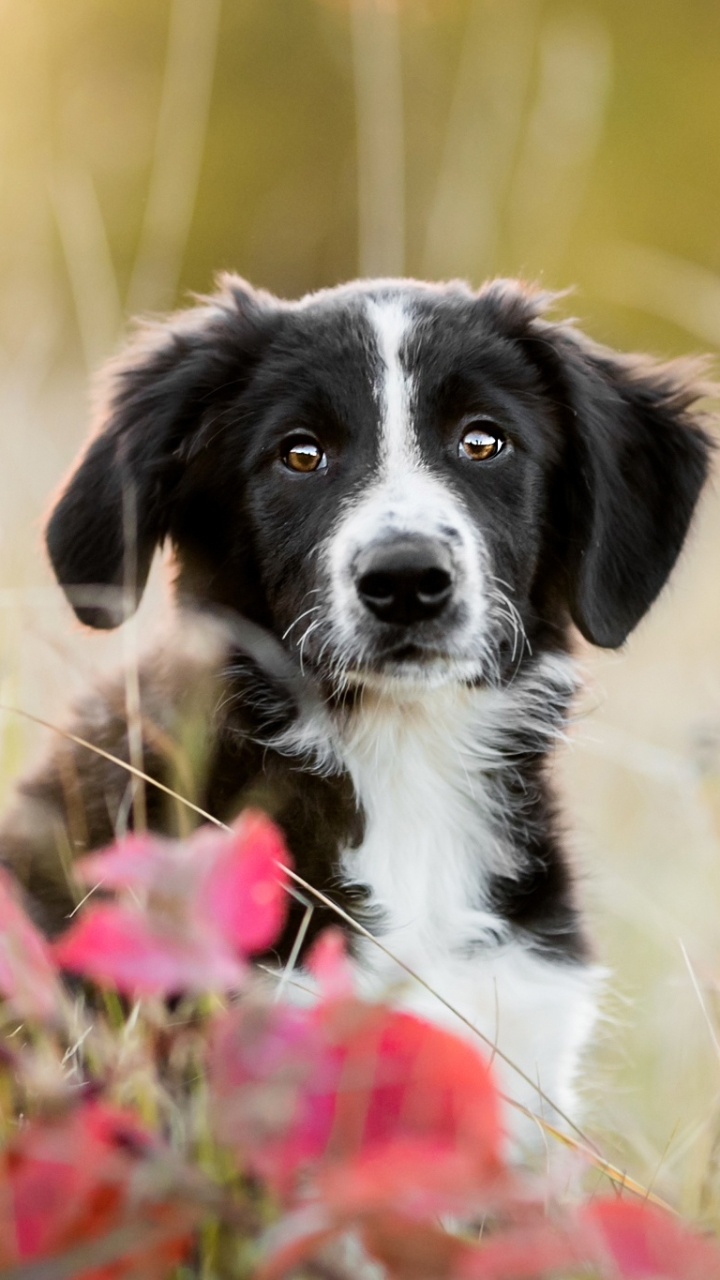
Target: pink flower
x: 195, y: 909
x: 28, y: 978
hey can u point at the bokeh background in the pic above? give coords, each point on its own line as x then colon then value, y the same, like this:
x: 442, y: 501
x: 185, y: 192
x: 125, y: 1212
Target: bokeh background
x: 145, y: 144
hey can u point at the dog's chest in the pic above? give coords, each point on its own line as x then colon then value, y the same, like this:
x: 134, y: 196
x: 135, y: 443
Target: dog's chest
x: 430, y: 842
x: 434, y: 836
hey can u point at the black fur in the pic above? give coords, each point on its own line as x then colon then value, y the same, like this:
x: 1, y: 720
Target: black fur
x: 613, y: 459
x: 583, y: 520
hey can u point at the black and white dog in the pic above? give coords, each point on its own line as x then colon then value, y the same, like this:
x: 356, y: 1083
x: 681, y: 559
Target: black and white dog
x: 416, y: 490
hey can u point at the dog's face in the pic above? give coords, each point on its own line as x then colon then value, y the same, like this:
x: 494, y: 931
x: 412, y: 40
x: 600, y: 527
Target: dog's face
x: 405, y: 483
x: 395, y: 485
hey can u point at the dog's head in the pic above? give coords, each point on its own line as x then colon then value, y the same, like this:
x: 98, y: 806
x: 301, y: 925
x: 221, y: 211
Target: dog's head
x: 403, y: 481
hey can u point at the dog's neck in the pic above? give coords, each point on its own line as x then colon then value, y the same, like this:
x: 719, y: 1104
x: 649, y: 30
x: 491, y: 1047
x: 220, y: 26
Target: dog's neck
x: 489, y: 728
x: 449, y: 784
x: 432, y: 836
x: 433, y: 775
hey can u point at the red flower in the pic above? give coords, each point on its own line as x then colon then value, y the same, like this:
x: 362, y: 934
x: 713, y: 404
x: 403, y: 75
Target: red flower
x: 28, y: 979
x: 199, y: 908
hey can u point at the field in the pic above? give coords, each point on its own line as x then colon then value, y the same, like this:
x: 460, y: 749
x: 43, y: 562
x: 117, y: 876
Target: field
x: 640, y: 772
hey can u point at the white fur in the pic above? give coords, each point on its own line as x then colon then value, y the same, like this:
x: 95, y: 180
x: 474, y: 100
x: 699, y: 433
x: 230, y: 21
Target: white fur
x: 421, y: 747
x: 404, y: 497
x: 538, y: 1012
x: 422, y: 767
x: 430, y: 838
x: 391, y: 324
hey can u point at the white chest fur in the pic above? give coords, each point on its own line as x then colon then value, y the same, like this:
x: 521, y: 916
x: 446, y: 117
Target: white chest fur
x: 431, y: 841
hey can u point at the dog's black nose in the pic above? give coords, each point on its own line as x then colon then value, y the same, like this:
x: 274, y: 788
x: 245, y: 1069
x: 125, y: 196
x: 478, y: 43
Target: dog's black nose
x: 404, y: 581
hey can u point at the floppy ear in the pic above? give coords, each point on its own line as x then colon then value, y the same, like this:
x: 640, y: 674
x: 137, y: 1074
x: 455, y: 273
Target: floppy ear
x: 636, y: 458
x: 103, y: 532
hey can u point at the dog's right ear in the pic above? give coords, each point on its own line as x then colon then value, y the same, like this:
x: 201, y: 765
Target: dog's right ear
x: 115, y: 510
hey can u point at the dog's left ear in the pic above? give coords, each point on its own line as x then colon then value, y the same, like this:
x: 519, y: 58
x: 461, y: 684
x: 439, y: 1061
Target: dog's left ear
x: 636, y: 460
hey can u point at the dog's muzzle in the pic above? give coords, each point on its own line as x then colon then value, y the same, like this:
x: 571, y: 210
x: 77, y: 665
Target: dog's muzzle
x: 405, y: 580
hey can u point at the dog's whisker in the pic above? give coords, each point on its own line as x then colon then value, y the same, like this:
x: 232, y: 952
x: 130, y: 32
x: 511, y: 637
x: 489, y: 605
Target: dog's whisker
x: 313, y: 609
x: 308, y: 632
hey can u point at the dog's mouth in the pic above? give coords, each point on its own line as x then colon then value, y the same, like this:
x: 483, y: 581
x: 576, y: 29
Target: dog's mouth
x: 433, y: 651
x: 412, y: 653
x: 410, y: 663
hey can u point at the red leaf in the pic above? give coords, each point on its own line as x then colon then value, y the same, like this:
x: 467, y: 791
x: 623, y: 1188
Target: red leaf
x: 622, y: 1239
x: 525, y: 1253
x: 411, y: 1250
x: 28, y: 978
x: 329, y: 965
x: 121, y: 946
x: 272, y: 1085
x: 135, y: 862
x: 243, y: 893
x: 297, y: 1237
x: 416, y: 1078
x: 644, y: 1242
x: 71, y: 1180
x: 205, y: 904
x: 377, y: 1105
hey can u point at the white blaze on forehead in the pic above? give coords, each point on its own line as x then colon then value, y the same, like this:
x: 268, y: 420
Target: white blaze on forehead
x: 391, y: 322
x: 403, y: 496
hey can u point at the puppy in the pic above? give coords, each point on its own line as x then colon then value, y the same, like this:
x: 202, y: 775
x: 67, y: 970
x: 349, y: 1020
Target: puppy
x: 396, y: 500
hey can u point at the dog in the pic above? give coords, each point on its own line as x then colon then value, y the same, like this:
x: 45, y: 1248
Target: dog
x: 393, y: 503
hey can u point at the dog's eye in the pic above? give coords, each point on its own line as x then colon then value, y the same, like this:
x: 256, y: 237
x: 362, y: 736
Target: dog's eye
x: 302, y: 453
x: 481, y: 441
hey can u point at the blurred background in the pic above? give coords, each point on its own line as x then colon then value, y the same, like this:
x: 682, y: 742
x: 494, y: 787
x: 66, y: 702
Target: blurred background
x: 145, y: 144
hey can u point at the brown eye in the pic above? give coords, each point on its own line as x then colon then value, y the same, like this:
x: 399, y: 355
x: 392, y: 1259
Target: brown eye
x: 304, y: 455
x: 481, y: 443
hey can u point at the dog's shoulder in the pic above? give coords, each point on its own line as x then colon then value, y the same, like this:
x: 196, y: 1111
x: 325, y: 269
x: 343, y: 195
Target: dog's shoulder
x: 215, y: 733
x: 83, y: 790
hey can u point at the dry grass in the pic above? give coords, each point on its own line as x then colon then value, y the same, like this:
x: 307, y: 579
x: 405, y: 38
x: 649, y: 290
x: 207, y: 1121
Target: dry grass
x: 642, y: 777
x: 642, y: 780
x: 642, y: 773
